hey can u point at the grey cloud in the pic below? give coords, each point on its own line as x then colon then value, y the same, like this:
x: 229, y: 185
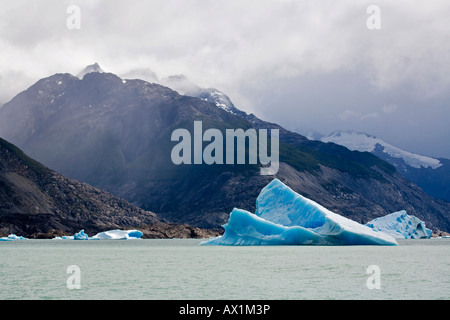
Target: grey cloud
x: 301, y: 63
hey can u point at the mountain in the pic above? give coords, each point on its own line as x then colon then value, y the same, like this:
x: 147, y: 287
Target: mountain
x: 364, y: 142
x: 431, y: 174
x: 38, y: 202
x: 115, y: 134
x: 35, y: 199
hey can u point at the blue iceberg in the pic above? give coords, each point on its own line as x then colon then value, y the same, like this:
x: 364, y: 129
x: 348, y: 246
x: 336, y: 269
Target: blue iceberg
x: 400, y: 225
x: 81, y: 236
x: 106, y: 235
x: 283, y: 217
x: 245, y: 228
x: 12, y: 237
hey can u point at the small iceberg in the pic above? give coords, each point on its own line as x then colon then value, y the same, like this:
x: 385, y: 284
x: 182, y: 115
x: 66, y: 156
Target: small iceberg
x: 400, y: 225
x: 81, y: 236
x: 106, y: 235
x: 118, y: 235
x: 12, y: 237
x: 64, y: 238
x: 283, y: 217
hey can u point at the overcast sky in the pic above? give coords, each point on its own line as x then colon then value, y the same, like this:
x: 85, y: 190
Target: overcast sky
x: 308, y: 65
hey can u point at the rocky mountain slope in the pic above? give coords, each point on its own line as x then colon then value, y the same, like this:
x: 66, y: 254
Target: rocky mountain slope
x: 115, y: 134
x: 38, y: 202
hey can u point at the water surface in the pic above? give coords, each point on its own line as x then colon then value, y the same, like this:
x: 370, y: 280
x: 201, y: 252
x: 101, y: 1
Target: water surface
x: 182, y: 269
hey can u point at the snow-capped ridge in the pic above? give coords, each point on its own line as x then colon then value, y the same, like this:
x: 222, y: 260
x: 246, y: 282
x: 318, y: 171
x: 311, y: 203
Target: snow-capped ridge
x: 218, y: 98
x: 361, y: 141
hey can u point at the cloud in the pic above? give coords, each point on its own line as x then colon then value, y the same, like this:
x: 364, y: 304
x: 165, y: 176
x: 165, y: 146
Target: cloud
x: 228, y: 42
x: 254, y: 50
x: 348, y: 114
x: 373, y: 115
x: 389, y: 108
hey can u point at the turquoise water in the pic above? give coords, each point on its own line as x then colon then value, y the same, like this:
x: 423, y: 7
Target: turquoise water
x: 182, y: 269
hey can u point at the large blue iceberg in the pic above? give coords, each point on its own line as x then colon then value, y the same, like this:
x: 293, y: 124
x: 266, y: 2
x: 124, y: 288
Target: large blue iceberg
x: 400, y: 225
x: 283, y: 217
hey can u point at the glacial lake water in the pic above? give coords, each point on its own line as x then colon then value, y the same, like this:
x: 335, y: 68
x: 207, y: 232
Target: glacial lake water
x: 182, y: 269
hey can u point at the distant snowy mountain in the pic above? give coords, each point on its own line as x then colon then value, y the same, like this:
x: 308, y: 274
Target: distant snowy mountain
x: 431, y: 174
x: 361, y: 141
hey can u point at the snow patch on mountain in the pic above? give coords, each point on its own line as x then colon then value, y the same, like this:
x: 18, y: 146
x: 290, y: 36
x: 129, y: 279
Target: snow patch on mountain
x: 218, y: 98
x: 364, y: 142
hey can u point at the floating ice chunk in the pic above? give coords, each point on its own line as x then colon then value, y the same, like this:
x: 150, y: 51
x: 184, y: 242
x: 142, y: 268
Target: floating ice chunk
x: 283, y: 217
x: 400, y: 225
x: 118, y: 235
x: 81, y: 236
x: 106, y: 235
x: 63, y: 238
x: 12, y: 237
